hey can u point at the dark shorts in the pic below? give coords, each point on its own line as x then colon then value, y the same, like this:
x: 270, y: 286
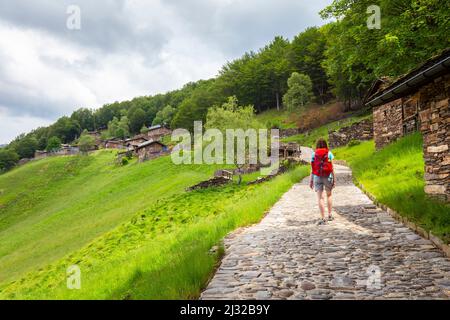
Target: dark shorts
x: 323, y: 182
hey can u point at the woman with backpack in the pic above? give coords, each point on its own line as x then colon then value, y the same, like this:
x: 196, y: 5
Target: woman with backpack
x: 322, y: 177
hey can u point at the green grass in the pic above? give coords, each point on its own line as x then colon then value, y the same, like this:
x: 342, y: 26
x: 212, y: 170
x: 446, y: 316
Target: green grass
x: 395, y: 176
x: 162, y: 252
x: 309, y: 139
x: 54, y: 206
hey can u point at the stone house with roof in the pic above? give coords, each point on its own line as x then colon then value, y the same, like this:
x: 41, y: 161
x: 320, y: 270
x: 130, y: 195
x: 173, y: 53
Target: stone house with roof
x: 418, y: 101
x: 150, y: 150
x: 157, y: 132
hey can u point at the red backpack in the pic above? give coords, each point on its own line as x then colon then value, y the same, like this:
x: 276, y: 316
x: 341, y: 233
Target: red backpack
x: 321, y: 166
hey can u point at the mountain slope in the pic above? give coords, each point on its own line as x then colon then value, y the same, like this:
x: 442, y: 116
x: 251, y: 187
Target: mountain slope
x: 53, y: 206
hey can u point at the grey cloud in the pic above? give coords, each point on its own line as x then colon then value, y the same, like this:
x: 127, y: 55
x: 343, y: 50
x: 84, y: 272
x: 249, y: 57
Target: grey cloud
x: 104, y: 24
x: 247, y: 25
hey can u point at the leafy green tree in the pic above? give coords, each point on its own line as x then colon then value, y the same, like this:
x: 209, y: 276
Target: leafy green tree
x: 26, y: 147
x: 119, y: 128
x: 196, y: 106
x: 165, y: 116
x: 137, y: 120
x: 85, y: 119
x: 54, y: 143
x: 306, y: 56
x: 231, y: 115
x: 86, y: 143
x: 66, y: 129
x: 8, y: 159
x: 299, y: 92
x: 411, y: 32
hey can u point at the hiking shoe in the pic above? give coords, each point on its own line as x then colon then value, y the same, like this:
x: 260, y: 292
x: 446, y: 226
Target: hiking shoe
x: 321, y: 222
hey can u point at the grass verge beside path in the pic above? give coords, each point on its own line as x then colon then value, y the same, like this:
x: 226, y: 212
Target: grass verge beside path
x: 163, y: 251
x: 395, y: 176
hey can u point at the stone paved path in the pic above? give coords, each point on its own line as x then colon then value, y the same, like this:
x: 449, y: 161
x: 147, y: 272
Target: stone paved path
x: 363, y: 254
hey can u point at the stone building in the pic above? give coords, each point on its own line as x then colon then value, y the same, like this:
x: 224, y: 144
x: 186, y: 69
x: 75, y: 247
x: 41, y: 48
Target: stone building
x: 115, y: 144
x: 289, y: 151
x: 150, y: 150
x: 135, y: 141
x: 157, y: 132
x: 362, y: 130
x: 419, y: 101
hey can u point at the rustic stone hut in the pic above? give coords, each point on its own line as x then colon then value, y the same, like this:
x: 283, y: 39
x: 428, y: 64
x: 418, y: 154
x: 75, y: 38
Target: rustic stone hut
x: 150, y: 150
x: 418, y: 101
x: 289, y: 151
x: 115, y: 144
x: 157, y: 132
x: 135, y: 141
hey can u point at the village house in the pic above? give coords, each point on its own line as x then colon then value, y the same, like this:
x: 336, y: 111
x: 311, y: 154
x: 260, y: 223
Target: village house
x: 150, y: 150
x: 289, y: 151
x: 115, y: 144
x: 418, y: 101
x: 136, y: 141
x: 157, y: 132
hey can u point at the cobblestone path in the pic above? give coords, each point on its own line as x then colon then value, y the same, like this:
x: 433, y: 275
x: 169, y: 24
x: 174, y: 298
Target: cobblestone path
x: 363, y: 254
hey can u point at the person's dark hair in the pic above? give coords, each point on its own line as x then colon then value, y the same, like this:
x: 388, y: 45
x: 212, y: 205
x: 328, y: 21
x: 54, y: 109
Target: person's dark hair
x: 321, y: 144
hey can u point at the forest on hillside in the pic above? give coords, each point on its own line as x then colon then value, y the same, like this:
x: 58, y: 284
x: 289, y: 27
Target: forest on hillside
x: 342, y: 58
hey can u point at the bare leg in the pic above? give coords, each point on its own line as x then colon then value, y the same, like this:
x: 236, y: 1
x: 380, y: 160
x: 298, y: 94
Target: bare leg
x: 321, y: 203
x: 329, y: 203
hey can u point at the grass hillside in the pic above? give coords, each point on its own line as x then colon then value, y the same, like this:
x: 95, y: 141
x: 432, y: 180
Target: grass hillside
x: 133, y: 231
x: 56, y: 205
x: 395, y: 176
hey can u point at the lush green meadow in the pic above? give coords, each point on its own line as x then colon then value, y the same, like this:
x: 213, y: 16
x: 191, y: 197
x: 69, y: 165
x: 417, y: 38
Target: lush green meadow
x: 395, y: 176
x: 53, y: 206
x: 133, y: 231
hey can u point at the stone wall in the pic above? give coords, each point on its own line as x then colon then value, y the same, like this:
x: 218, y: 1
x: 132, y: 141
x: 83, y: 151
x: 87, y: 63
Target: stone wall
x: 428, y: 110
x: 362, y: 130
x: 387, y: 123
x: 435, y: 126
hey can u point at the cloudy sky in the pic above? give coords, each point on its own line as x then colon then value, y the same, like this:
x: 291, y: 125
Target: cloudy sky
x: 124, y: 49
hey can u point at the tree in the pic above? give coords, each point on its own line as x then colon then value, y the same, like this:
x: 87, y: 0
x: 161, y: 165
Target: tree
x: 54, y: 143
x: 137, y: 120
x: 26, y: 147
x: 118, y: 128
x: 232, y: 116
x: 165, y: 115
x: 299, y: 92
x: 411, y: 32
x: 86, y: 143
x: 306, y: 56
x: 66, y: 129
x: 8, y: 159
x: 85, y: 119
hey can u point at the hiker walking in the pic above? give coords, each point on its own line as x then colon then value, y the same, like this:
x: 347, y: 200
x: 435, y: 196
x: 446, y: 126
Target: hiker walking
x: 322, y: 176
